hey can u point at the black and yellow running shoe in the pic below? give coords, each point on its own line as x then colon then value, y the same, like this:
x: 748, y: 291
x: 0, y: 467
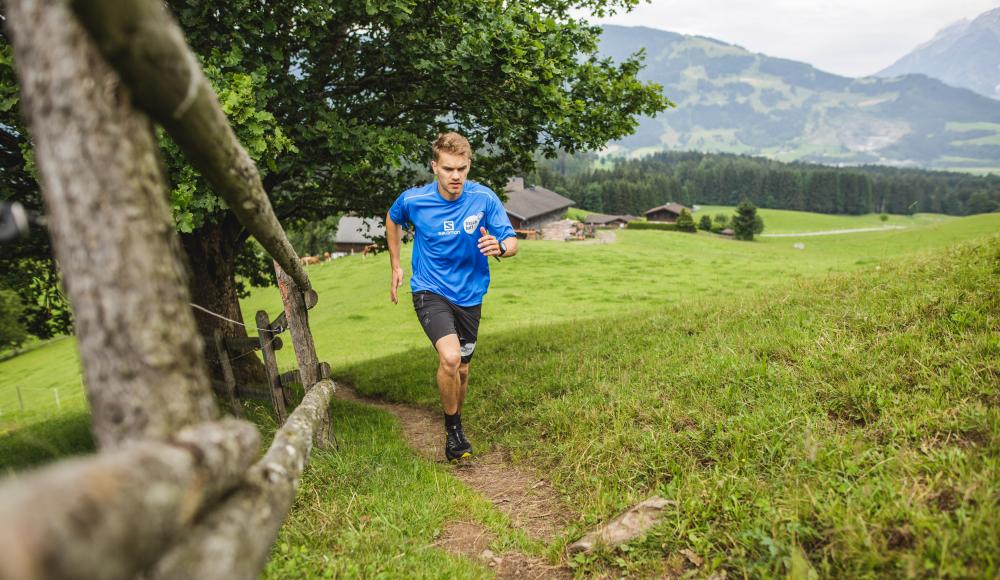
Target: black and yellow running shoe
x: 456, y: 446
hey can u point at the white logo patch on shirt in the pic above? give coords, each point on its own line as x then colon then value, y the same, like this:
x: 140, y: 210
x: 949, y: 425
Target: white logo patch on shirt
x: 449, y: 225
x: 471, y: 222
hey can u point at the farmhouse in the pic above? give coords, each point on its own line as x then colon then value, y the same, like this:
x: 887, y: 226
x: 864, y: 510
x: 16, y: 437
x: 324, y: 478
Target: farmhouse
x: 665, y: 213
x: 601, y: 220
x: 529, y: 208
x: 355, y: 233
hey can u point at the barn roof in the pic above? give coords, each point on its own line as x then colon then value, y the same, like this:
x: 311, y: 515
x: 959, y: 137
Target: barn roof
x: 600, y: 218
x: 356, y: 230
x: 671, y: 207
x: 529, y: 202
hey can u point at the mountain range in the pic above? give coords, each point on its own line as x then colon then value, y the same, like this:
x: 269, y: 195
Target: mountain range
x: 732, y: 100
x: 965, y: 54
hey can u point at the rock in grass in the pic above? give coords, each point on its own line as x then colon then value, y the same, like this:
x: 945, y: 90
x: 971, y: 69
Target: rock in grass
x: 626, y: 527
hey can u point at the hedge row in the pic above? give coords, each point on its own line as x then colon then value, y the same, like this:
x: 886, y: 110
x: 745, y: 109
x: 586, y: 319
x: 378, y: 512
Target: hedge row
x: 662, y: 226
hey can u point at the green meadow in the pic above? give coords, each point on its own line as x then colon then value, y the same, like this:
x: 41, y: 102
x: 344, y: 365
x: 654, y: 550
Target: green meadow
x: 827, y: 410
x: 782, y: 221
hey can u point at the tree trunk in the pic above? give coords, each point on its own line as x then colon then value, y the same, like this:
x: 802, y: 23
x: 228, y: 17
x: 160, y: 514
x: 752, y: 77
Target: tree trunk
x: 112, y: 233
x: 211, y: 252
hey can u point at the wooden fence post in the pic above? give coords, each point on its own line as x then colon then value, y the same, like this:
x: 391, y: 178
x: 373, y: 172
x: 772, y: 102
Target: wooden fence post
x: 271, y: 364
x: 297, y: 317
x: 227, y: 374
x: 297, y: 307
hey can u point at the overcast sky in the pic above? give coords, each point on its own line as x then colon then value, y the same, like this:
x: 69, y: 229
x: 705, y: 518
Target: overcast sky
x: 846, y: 37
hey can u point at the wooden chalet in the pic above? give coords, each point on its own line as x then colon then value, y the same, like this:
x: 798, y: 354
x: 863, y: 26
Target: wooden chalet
x: 667, y: 212
x: 355, y: 233
x: 529, y: 208
x: 600, y: 220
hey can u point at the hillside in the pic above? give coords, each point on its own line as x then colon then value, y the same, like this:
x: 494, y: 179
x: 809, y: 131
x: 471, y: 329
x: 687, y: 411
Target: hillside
x: 843, y: 426
x: 828, y: 410
x: 965, y: 54
x: 729, y: 99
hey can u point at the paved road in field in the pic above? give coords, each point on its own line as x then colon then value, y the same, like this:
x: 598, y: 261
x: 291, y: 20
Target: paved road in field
x: 833, y: 232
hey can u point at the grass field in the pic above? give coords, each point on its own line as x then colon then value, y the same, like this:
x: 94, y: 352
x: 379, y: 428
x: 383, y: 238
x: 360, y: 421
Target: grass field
x: 832, y: 408
x: 781, y: 221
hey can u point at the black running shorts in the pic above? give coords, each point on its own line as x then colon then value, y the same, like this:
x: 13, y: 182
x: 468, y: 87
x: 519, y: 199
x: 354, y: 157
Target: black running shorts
x: 440, y: 317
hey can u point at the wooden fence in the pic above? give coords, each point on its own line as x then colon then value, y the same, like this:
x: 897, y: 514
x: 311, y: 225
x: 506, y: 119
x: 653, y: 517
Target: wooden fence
x: 174, y: 491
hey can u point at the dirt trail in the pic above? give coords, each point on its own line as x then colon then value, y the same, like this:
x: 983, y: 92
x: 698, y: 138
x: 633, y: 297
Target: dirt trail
x: 834, y: 232
x: 520, y: 493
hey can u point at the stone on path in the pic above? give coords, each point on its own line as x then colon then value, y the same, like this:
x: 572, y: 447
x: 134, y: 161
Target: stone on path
x: 628, y: 526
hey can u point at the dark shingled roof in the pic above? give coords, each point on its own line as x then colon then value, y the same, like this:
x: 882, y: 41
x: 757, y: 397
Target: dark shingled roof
x: 671, y: 207
x: 526, y: 203
x: 600, y: 218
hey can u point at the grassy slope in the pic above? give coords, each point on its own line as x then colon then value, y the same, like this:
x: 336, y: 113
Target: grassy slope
x: 685, y: 410
x: 554, y: 281
x: 849, y: 424
x: 43, y: 430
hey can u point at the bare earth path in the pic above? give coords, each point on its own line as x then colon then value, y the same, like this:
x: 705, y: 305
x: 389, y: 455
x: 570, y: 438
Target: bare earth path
x: 520, y: 493
x: 834, y: 232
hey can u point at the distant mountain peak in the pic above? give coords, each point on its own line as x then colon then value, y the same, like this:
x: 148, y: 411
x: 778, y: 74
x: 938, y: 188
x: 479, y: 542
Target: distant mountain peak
x: 732, y: 100
x: 963, y: 54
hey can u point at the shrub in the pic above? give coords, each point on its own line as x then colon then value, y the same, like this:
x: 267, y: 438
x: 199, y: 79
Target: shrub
x: 662, y: 226
x: 705, y: 224
x: 884, y: 217
x: 685, y: 223
x: 12, y: 332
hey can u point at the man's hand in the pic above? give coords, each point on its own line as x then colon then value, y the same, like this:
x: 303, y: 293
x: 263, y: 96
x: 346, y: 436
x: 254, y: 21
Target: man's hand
x: 488, y: 245
x: 397, y: 281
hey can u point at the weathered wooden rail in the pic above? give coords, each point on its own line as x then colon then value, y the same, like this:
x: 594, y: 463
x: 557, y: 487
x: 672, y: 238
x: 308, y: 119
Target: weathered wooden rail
x: 173, y: 492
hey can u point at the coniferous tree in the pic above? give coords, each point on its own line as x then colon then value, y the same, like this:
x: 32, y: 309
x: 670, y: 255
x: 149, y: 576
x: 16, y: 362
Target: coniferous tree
x: 743, y: 222
x: 692, y: 177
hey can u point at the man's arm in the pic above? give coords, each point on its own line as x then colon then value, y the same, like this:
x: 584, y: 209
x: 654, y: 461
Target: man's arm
x: 511, y: 244
x: 489, y: 245
x: 394, y: 237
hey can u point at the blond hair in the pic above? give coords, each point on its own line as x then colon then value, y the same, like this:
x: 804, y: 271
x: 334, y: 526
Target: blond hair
x: 451, y: 143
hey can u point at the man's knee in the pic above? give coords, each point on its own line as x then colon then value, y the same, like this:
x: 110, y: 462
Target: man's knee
x: 450, y: 360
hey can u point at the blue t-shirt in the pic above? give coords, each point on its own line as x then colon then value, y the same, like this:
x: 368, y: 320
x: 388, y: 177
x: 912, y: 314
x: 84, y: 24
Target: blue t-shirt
x: 446, y: 257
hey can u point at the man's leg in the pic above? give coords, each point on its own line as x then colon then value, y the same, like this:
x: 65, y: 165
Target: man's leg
x: 444, y: 324
x: 452, y: 384
x: 463, y: 388
x: 449, y: 378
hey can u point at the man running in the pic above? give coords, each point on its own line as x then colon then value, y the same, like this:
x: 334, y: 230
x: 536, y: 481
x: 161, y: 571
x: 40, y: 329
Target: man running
x: 457, y: 225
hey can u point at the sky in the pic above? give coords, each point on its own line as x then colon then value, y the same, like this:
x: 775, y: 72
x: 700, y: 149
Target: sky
x: 847, y: 37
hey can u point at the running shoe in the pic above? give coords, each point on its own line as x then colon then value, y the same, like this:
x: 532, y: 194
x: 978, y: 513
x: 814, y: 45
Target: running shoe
x: 456, y: 446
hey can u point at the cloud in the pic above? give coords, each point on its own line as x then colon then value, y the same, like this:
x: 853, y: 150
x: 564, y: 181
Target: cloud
x: 848, y: 37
